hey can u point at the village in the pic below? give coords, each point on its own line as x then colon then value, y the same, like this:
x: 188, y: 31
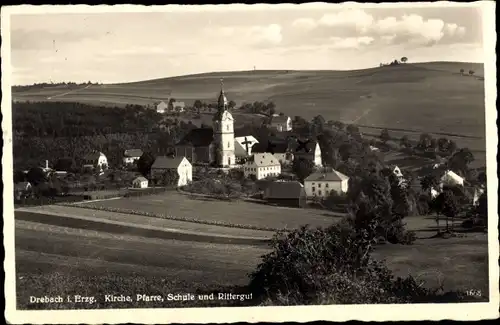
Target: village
x: 286, y: 170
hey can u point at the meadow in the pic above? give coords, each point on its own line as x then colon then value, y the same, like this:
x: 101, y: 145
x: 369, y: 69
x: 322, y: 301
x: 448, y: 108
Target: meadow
x: 232, y: 213
x: 426, y: 97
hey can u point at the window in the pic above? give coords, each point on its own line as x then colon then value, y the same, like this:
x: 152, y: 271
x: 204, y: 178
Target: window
x: 229, y: 144
x: 227, y: 127
x: 326, y: 185
x: 319, y: 192
x: 313, y: 183
x: 319, y: 184
x: 314, y: 189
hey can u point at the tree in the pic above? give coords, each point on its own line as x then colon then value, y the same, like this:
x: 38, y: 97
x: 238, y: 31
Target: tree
x: 424, y: 141
x: 460, y: 160
x: 384, y: 135
x: 339, y: 125
x: 64, y: 164
x: 271, y: 107
x: 482, y: 208
x: 19, y: 176
x: 429, y: 181
x: 471, y: 72
x: 405, y: 142
x: 144, y: 163
x: 462, y: 71
x: 449, y: 207
x: 404, y: 59
x: 36, y: 176
x: 231, y: 104
x: 170, y: 177
x: 302, y: 168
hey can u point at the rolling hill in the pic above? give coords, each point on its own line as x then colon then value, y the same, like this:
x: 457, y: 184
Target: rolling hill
x: 412, y: 98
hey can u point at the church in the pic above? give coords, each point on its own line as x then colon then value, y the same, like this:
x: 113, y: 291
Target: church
x: 214, y: 146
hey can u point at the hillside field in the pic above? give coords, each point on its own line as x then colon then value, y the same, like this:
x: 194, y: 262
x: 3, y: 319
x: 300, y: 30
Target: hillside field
x: 411, y: 98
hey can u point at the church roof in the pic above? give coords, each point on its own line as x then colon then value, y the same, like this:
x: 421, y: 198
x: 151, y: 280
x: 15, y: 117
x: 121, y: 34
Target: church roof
x: 272, y: 146
x: 164, y: 162
x: 201, y: 137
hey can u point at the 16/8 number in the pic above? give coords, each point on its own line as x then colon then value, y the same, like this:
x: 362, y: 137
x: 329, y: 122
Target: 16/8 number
x: 473, y: 293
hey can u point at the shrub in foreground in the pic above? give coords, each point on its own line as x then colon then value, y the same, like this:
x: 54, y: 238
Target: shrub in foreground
x: 329, y: 266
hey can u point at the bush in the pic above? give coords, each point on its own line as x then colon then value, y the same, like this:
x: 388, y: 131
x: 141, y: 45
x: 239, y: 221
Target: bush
x: 329, y: 266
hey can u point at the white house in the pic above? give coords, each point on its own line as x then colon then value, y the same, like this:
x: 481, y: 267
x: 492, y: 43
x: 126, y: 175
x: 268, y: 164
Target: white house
x: 262, y: 165
x: 478, y: 191
x: 281, y: 123
x: 397, y: 172
x: 95, y: 160
x: 178, y: 106
x: 140, y: 182
x: 130, y: 156
x: 322, y: 183
x: 179, y: 165
x: 450, y: 178
x: 243, y: 146
x: 161, y: 107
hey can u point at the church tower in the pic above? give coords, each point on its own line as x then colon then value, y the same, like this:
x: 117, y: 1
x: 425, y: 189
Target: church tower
x: 223, y: 125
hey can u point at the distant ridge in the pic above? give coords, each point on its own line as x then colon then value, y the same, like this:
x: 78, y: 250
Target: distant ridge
x: 235, y: 73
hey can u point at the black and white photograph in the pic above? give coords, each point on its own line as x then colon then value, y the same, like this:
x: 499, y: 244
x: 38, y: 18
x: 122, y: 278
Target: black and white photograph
x: 162, y: 162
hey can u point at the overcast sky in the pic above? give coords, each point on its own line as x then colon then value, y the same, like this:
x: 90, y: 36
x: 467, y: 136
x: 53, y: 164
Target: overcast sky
x: 121, y: 47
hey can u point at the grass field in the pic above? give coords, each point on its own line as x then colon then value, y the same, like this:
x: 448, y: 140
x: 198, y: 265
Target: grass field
x: 237, y: 212
x: 430, y: 97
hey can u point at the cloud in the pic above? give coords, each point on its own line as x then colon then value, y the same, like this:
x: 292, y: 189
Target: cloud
x: 354, y: 23
x: 351, y: 42
x: 267, y: 35
x: 353, y: 18
x: 304, y: 23
x: 43, y: 39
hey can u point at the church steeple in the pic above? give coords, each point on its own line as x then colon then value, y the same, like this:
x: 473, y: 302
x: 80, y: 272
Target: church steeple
x: 222, y: 101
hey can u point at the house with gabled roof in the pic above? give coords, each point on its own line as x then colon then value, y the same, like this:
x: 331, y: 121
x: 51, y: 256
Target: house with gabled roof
x: 161, y: 107
x: 130, y: 156
x: 262, y: 165
x: 277, y: 147
x: 450, y: 178
x: 322, y: 183
x: 175, y: 167
x: 95, y: 160
x: 140, y: 182
x: 287, y: 193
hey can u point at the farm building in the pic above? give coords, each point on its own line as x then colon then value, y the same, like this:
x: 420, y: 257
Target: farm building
x: 322, y: 183
x: 281, y: 123
x: 261, y: 166
x: 130, y: 156
x: 243, y: 146
x: 161, y: 107
x: 179, y: 167
x: 140, y: 182
x: 286, y: 193
x: 95, y: 160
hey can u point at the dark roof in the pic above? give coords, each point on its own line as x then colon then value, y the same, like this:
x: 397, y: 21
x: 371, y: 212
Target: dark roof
x: 94, y: 155
x: 279, y: 119
x: 271, y: 146
x: 302, y: 145
x: 284, y: 190
x: 331, y: 176
x: 201, y: 137
x: 133, y: 153
x: 163, y: 162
